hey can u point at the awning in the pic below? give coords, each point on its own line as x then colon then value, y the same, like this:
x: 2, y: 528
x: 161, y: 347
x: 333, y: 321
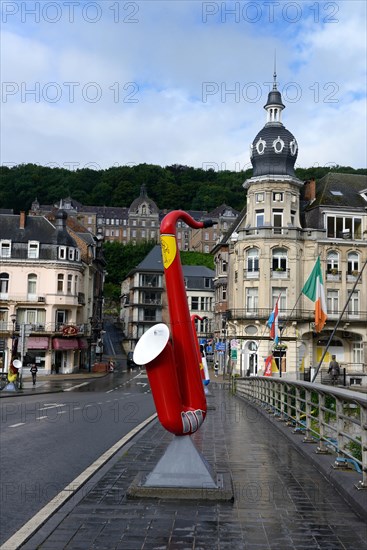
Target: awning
x: 65, y: 343
x: 37, y: 342
x: 83, y: 343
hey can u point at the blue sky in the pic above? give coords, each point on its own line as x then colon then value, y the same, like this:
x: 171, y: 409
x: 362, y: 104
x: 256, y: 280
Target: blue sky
x: 121, y: 82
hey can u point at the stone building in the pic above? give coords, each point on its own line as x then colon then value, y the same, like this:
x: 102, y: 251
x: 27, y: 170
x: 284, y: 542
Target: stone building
x: 270, y: 251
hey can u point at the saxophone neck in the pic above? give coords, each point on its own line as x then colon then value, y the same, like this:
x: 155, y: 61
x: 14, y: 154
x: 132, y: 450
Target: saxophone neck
x: 168, y: 224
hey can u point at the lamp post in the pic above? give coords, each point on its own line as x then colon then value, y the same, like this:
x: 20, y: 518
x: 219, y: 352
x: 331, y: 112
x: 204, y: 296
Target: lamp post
x: 13, y: 319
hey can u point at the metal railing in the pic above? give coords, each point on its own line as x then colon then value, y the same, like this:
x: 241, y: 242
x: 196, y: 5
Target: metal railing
x: 334, y: 418
x: 297, y: 314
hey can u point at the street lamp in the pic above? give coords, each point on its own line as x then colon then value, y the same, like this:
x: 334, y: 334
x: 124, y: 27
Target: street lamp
x: 13, y: 318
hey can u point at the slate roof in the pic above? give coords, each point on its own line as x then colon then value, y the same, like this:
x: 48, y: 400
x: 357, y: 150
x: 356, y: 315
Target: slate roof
x: 337, y: 191
x: 347, y: 187
x: 153, y: 262
x: 37, y: 228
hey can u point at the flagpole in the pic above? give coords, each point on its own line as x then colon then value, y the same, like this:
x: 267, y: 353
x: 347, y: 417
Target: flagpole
x: 338, y: 322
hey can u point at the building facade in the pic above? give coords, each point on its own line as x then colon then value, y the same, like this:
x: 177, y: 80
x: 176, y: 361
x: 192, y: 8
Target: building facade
x: 270, y: 251
x: 144, y: 299
x: 51, y: 288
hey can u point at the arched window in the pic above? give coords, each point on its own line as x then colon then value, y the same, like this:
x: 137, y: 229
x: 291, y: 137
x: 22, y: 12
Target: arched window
x: 32, y: 284
x: 353, y: 263
x: 279, y: 259
x: 332, y: 261
x: 252, y: 260
x: 4, y: 283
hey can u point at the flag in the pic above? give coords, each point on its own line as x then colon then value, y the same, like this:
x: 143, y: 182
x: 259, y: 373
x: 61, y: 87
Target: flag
x: 314, y: 290
x: 268, y: 362
x: 272, y: 322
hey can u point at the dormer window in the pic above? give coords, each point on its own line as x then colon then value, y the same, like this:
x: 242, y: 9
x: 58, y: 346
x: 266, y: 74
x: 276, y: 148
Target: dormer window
x: 5, y: 248
x: 33, y: 249
x: 71, y: 254
x: 62, y: 252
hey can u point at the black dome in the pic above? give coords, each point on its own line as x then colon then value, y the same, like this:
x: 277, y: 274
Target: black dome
x: 274, y: 151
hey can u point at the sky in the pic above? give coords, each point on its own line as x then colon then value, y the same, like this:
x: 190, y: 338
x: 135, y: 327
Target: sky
x: 111, y: 83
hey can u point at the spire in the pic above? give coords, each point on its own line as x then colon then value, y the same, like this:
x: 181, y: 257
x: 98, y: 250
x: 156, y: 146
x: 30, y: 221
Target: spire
x: 275, y: 72
x: 274, y: 106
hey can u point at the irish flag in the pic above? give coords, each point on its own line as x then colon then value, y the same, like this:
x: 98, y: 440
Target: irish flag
x: 314, y: 290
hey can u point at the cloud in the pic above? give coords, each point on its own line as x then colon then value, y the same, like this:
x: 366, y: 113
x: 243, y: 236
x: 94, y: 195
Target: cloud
x: 181, y: 86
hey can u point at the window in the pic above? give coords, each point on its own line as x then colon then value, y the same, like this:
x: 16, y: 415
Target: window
x: 281, y: 293
x: 260, y: 220
x: 259, y: 197
x: 252, y: 300
x: 32, y: 316
x: 332, y: 262
x: 357, y: 352
x: 224, y: 266
x: 60, y: 282
x: 112, y: 221
x: 134, y: 232
x: 71, y: 253
x: 33, y: 249
x: 332, y: 302
x: 32, y: 284
x: 77, y: 255
x: 4, y: 284
x: 134, y: 223
x: 61, y: 318
x: 278, y: 197
x: 279, y: 259
x: 293, y: 218
x: 206, y: 249
x: 5, y: 248
x: 252, y: 260
x: 344, y: 227
x: 277, y: 221
x: 194, y: 303
x: 62, y: 252
x: 207, y: 282
x: 353, y: 304
x: 353, y: 263
x: 70, y: 284
x: 206, y: 236
x: 224, y: 293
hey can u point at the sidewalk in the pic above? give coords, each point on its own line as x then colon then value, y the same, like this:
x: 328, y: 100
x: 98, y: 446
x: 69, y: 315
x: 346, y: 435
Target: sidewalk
x: 281, y: 501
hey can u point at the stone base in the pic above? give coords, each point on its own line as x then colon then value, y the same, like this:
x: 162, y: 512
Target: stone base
x: 182, y: 472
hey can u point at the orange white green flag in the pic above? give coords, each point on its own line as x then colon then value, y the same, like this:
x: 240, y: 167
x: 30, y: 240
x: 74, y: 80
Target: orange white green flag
x: 314, y: 290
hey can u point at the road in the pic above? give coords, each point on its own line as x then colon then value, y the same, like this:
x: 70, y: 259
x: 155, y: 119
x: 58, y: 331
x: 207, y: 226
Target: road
x: 48, y: 440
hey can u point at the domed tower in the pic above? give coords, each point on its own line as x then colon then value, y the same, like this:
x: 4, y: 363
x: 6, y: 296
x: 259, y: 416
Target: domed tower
x: 274, y: 149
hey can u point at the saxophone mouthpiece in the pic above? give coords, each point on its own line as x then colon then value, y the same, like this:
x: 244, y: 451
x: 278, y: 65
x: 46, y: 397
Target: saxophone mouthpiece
x: 209, y: 223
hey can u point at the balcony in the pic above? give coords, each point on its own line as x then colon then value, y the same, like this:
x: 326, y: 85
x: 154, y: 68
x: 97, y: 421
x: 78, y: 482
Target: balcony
x: 299, y: 314
x: 251, y: 274
x: 333, y: 275
x: 353, y: 276
x: 279, y: 273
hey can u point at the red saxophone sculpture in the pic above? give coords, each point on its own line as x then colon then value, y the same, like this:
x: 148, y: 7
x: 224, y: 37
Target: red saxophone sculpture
x: 174, y: 371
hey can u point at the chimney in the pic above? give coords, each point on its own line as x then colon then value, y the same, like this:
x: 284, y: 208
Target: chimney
x: 310, y: 190
x: 22, y: 220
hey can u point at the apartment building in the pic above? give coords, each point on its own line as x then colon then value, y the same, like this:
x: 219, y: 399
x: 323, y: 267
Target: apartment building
x: 51, y: 293
x: 269, y: 252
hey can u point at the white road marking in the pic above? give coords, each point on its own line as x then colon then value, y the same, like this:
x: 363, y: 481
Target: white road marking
x: 16, y: 425
x: 78, y: 386
x: 29, y: 528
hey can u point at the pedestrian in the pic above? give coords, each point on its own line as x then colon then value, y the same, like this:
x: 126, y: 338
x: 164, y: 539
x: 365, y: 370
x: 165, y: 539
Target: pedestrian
x: 334, y: 369
x: 34, y: 370
x: 216, y: 368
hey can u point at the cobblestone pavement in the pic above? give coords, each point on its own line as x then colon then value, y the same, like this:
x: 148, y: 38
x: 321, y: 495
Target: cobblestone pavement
x: 281, y: 501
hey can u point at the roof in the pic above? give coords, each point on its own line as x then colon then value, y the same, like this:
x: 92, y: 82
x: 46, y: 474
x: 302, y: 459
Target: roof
x: 37, y: 228
x: 153, y: 262
x: 340, y: 190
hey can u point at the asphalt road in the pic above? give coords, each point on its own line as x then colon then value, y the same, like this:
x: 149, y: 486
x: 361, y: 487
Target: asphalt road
x: 48, y: 440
